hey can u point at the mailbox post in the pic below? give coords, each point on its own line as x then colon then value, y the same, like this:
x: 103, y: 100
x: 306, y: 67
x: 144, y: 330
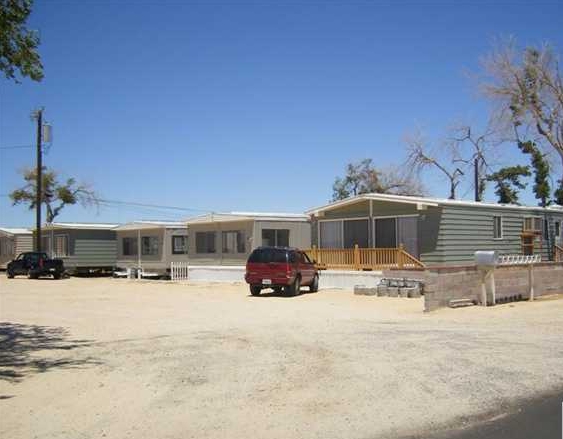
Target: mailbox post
x: 486, y: 261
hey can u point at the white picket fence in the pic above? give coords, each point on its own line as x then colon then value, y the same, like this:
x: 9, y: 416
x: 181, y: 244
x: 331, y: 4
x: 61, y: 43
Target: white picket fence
x: 519, y: 259
x: 179, y: 270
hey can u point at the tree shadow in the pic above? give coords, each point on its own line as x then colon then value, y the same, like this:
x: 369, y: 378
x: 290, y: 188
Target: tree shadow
x: 30, y: 349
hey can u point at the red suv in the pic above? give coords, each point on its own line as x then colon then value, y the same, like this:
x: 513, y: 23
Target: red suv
x: 280, y: 268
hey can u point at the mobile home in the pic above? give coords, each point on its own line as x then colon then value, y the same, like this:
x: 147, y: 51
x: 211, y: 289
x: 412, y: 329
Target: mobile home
x: 229, y: 238
x: 151, y: 246
x: 84, y: 247
x: 438, y: 231
x: 14, y: 241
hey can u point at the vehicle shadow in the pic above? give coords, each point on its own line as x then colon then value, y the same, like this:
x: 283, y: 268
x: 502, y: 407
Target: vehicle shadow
x: 31, y: 349
x: 281, y: 294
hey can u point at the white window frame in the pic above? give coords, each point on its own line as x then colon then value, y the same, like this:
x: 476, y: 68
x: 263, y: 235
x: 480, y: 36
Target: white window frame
x: 185, y: 250
x: 534, y: 218
x: 501, y: 228
x: 150, y: 238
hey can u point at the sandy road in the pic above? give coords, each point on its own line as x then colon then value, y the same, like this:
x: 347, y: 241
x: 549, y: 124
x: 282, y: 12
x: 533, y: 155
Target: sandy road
x: 87, y: 358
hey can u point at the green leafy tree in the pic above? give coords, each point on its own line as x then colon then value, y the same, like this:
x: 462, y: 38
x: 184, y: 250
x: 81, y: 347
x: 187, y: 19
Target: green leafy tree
x: 362, y: 177
x: 55, y: 195
x: 507, y: 183
x: 541, y: 188
x: 18, y: 45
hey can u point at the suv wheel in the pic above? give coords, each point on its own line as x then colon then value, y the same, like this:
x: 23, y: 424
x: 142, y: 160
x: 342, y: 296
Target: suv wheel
x: 255, y: 290
x: 314, y: 287
x: 9, y: 274
x: 31, y: 275
x: 294, y: 288
x: 56, y: 276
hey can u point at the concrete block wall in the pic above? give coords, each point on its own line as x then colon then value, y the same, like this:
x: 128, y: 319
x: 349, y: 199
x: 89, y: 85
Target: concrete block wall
x: 464, y: 282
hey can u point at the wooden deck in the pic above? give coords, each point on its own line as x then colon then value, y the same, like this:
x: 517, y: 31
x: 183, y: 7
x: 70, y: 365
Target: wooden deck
x: 363, y: 258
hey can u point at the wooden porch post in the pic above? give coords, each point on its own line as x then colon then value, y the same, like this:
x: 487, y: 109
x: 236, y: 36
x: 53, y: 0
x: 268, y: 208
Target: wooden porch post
x: 400, y: 251
x: 356, y: 257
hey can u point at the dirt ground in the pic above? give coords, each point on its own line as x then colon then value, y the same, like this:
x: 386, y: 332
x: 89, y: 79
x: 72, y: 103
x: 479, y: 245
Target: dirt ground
x: 89, y: 358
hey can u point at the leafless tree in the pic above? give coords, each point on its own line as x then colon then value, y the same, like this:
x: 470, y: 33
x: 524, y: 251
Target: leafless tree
x: 420, y: 157
x: 473, y: 148
x: 526, y: 88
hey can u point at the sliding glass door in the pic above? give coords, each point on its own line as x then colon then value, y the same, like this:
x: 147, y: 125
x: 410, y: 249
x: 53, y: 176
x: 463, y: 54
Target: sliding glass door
x: 390, y: 232
x: 356, y: 232
x: 385, y: 232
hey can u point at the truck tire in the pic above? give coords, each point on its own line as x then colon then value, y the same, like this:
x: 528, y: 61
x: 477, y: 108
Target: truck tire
x: 255, y: 290
x: 314, y: 287
x: 9, y: 274
x: 32, y: 275
x: 57, y: 276
x: 294, y: 288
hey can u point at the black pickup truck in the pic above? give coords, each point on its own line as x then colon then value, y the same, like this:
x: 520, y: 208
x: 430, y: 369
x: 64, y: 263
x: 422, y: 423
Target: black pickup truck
x: 35, y: 264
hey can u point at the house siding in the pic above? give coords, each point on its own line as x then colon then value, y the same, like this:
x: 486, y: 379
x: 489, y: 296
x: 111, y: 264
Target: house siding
x: 220, y: 258
x: 160, y: 262
x: 20, y: 243
x: 449, y: 234
x: 86, y: 248
x: 464, y: 230
x: 299, y: 232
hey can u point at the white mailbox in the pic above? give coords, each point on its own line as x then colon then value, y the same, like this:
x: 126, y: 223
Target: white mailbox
x: 486, y: 260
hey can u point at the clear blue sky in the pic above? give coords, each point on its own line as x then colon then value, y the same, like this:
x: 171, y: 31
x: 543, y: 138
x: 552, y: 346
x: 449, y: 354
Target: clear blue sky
x: 246, y: 105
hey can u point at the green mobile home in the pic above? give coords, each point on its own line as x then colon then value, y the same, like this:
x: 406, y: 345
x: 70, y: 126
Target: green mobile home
x: 437, y: 231
x: 83, y: 247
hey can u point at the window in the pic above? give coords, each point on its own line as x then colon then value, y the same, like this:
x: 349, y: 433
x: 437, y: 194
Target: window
x: 558, y: 229
x: 129, y: 246
x: 233, y: 242
x: 205, y: 242
x: 356, y: 232
x: 275, y: 237
x: 497, y: 227
x: 386, y: 232
x: 60, y: 247
x: 533, y: 224
x: 267, y: 255
x: 149, y: 245
x: 179, y: 245
x: 331, y: 234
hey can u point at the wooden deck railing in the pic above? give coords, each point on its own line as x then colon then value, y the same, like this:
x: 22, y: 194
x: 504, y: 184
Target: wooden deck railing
x: 363, y: 258
x: 558, y: 256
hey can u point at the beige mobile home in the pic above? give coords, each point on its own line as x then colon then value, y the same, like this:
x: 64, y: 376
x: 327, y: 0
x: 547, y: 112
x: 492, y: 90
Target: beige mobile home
x: 229, y: 238
x: 83, y: 247
x: 151, y: 246
x: 14, y: 241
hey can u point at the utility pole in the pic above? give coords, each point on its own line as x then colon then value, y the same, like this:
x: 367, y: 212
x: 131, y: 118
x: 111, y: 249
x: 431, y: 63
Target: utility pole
x: 38, y: 198
x: 477, y: 182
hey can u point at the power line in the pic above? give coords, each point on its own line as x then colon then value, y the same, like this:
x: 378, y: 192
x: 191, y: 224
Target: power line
x: 145, y: 205
x: 17, y: 147
x: 156, y: 206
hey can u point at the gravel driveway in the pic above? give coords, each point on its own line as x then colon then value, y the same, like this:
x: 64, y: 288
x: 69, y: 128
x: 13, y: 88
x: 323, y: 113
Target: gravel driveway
x: 89, y: 358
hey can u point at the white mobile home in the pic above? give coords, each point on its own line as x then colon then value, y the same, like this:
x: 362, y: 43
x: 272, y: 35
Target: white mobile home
x: 229, y: 238
x: 151, y: 245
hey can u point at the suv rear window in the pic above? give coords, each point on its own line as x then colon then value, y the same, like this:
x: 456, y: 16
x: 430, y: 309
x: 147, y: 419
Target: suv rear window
x: 267, y: 255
